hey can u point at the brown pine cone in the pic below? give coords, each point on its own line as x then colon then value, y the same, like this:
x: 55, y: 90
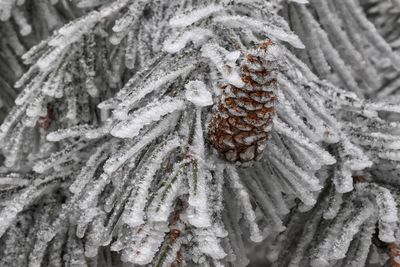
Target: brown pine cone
x: 394, y: 253
x: 242, y: 121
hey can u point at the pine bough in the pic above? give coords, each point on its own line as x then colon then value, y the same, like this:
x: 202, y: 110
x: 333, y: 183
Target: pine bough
x: 107, y: 151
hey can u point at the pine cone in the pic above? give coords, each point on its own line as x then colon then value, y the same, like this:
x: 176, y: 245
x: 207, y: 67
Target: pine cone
x: 394, y: 253
x: 241, y: 124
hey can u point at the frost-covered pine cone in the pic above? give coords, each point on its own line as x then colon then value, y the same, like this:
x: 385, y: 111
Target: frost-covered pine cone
x: 243, y: 119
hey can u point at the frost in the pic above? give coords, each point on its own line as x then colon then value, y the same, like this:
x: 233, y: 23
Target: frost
x: 134, y: 212
x: 324, y: 155
x: 232, y: 56
x: 386, y: 204
x: 106, y: 142
x: 160, y: 207
x: 350, y: 228
x: 217, y: 56
x: 247, y: 209
x: 137, y: 94
x: 269, y: 30
x: 209, y: 244
x: 147, y: 115
x: 197, y: 93
x: 88, y: 171
x: 5, y: 9
x: 9, y: 213
x: 299, y: 1
x: 75, y: 131
x: 114, y: 162
x: 57, y: 157
x: 198, y: 211
x: 147, y: 242
x: 184, y: 20
x: 197, y: 36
